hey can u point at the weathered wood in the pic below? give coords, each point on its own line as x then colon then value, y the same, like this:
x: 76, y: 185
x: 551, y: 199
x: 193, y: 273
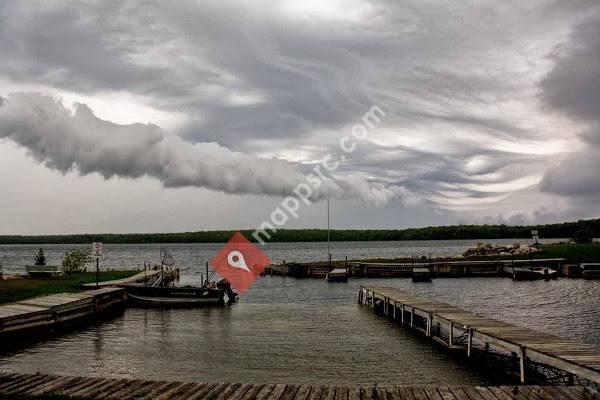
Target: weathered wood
x: 34, y: 385
x: 575, y: 358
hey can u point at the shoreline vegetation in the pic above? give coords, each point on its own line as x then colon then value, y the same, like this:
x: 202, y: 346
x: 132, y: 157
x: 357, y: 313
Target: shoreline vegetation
x: 22, y: 288
x: 450, y: 232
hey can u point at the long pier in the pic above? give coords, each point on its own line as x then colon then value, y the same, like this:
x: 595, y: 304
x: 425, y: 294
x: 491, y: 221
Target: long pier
x: 460, y: 329
x: 440, y: 268
x: 66, y: 387
x: 47, y: 312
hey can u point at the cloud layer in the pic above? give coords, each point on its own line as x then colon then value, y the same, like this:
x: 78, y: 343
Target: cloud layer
x: 489, y: 106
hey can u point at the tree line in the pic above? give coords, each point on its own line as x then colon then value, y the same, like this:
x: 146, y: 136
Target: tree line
x: 559, y: 230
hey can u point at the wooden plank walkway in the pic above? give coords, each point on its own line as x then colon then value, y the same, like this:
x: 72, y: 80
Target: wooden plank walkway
x: 47, y: 311
x: 139, y: 277
x: 38, y: 385
x: 567, y: 355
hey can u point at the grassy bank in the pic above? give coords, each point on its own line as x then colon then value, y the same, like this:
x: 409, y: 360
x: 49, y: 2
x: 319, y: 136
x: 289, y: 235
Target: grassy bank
x: 21, y: 289
x: 575, y: 253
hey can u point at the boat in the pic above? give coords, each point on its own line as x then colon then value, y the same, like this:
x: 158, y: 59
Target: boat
x: 161, y: 292
x: 337, y: 275
x: 590, y: 270
x: 530, y: 273
x: 421, y: 274
x: 171, y: 296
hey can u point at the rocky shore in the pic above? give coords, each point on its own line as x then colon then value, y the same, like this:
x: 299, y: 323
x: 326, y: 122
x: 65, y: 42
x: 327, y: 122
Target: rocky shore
x: 488, y: 249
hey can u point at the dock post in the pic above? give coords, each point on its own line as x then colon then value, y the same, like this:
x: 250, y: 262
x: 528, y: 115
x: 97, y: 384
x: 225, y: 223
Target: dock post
x: 385, y: 306
x: 428, y: 331
x: 402, y: 313
x: 412, y: 316
x: 522, y: 360
x: 451, y: 334
x: 469, y: 342
x: 394, y: 311
x: 360, y: 292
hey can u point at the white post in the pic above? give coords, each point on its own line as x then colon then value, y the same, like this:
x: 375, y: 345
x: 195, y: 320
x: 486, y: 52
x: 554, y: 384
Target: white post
x: 469, y: 342
x: 450, y: 336
x: 522, y: 360
x: 402, y: 313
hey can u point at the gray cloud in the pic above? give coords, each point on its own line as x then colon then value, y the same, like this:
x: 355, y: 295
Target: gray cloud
x: 573, y: 88
x: 80, y: 141
x: 458, y: 81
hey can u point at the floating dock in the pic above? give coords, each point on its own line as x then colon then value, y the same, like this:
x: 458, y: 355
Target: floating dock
x: 47, y: 312
x: 462, y: 268
x: 459, y: 329
x: 49, y: 386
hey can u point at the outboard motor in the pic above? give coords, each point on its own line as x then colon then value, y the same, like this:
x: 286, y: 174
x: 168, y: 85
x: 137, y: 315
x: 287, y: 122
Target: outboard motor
x: 224, y: 285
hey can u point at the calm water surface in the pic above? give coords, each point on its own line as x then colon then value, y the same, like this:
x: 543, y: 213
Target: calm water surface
x: 303, y: 331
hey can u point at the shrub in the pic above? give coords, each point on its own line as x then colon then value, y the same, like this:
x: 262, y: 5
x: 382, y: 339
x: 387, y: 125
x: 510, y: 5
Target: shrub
x: 76, y: 261
x: 40, y: 258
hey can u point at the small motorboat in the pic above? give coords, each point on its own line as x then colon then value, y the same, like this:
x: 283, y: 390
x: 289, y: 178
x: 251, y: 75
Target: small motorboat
x: 421, y: 274
x: 171, y: 296
x: 161, y: 292
x: 590, y: 270
x: 337, y: 275
x: 530, y: 274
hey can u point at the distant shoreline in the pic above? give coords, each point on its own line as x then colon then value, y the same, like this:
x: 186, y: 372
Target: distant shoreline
x: 451, y: 232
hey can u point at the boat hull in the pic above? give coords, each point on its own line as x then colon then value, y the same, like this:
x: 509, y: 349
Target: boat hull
x: 173, y: 296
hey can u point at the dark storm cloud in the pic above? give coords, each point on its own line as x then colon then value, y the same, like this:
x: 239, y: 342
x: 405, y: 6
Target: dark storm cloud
x: 573, y: 88
x: 455, y: 78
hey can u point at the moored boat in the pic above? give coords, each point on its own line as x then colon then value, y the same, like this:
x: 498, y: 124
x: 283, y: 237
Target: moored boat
x: 337, y: 275
x: 421, y: 274
x: 590, y: 270
x: 171, y: 296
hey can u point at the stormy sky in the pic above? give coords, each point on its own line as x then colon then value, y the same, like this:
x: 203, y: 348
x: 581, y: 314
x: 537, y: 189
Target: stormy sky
x: 175, y: 116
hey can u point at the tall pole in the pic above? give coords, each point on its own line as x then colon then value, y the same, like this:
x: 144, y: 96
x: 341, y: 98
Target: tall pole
x: 97, y: 270
x: 328, y: 244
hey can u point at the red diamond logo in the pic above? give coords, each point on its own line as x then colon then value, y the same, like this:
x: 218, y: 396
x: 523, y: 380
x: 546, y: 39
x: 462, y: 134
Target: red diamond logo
x: 240, y: 262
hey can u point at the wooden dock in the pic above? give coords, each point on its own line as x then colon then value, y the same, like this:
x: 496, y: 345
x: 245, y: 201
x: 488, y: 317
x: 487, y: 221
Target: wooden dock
x: 46, y: 312
x: 65, y: 387
x: 446, y: 323
x: 438, y: 268
x: 139, y: 277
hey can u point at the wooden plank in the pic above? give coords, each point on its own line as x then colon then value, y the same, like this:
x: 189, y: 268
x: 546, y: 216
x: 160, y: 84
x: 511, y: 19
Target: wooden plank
x: 265, y: 391
x: 290, y: 392
x: 240, y: 392
x: 445, y: 393
x: 303, y: 392
x: 487, y: 394
x: 316, y: 392
x: 277, y: 392
x: 32, y: 381
x: 132, y: 386
x: 419, y: 393
x: 341, y: 393
x: 15, y: 380
x: 141, y: 390
x: 200, y: 392
x: 101, y: 392
x: 406, y: 393
x: 52, y: 386
x: 328, y: 393
x: 562, y: 394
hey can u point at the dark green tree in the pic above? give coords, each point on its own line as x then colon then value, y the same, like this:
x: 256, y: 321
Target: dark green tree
x: 584, y: 235
x: 40, y: 258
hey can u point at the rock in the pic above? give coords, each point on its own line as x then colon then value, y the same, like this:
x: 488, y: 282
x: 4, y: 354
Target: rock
x: 488, y: 249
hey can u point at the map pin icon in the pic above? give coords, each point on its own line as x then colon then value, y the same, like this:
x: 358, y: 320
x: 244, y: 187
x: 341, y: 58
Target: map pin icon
x: 236, y: 259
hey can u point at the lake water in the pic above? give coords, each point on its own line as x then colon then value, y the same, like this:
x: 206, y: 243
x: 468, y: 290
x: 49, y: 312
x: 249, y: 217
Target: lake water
x: 305, y: 331
x: 190, y: 258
